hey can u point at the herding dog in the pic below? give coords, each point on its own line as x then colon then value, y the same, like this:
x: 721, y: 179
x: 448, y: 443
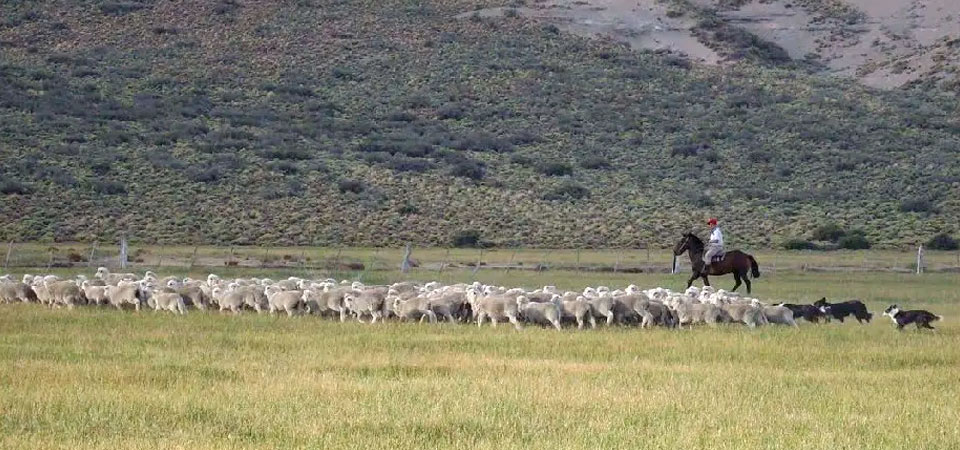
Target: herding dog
x: 905, y: 317
x: 809, y: 312
x: 844, y: 309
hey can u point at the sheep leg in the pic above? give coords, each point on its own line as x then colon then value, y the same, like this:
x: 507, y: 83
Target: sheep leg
x: 609, y: 315
x: 480, y: 317
x: 556, y: 324
x: 515, y: 322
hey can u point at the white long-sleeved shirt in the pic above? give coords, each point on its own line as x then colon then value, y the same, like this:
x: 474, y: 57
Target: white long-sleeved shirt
x: 716, y: 237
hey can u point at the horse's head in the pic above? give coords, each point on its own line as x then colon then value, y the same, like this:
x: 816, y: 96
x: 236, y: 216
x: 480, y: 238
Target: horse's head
x: 682, y: 245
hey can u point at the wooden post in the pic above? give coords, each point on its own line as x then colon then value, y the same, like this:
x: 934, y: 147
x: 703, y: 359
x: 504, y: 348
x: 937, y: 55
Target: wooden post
x: 616, y: 266
x: 160, y: 263
x: 263, y: 261
x: 336, y: 260
x: 920, y: 259
x: 193, y: 259
x: 509, y: 264
x: 444, y: 262
x: 578, y: 260
x: 479, y: 260
x: 405, y: 264
x: 6, y: 261
x: 303, y: 261
x: 93, y: 251
x: 50, y: 258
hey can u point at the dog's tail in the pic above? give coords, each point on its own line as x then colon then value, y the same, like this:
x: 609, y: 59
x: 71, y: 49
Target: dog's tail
x: 937, y: 317
x: 754, y: 267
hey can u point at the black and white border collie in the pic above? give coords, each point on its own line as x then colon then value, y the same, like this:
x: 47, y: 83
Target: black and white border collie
x: 903, y: 317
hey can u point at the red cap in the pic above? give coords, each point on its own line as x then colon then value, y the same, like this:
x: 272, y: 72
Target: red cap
x: 712, y: 221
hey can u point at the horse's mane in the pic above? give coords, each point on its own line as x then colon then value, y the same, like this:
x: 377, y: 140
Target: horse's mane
x: 694, y: 240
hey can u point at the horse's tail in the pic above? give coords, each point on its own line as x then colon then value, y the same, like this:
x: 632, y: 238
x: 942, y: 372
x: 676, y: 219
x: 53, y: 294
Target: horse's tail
x: 754, y: 266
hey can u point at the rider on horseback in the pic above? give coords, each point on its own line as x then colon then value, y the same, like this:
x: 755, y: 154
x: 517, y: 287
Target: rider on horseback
x: 715, y: 246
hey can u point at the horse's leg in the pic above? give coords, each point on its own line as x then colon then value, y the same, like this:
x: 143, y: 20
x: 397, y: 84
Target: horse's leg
x: 746, y: 280
x: 706, y: 281
x: 690, y: 281
x: 736, y: 278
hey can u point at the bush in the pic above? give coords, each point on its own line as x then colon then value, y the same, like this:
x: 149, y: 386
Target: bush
x: 854, y: 241
x: 943, y: 241
x: 799, y: 244
x: 595, y: 162
x: 200, y: 175
x: 353, y: 186
x: 555, y: 169
x: 109, y: 187
x: 917, y: 205
x: 468, y: 168
x: 830, y: 232
x: 10, y: 187
x: 466, y: 238
x: 567, y: 191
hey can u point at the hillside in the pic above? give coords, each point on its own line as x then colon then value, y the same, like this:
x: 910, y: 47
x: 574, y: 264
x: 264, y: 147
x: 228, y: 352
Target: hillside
x: 382, y: 122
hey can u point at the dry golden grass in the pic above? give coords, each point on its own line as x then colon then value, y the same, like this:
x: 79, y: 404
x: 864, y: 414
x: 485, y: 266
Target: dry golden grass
x: 98, y: 378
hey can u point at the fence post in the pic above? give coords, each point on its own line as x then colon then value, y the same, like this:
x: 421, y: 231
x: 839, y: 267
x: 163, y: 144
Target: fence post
x: 510, y: 264
x: 160, y: 262
x: 616, y: 266
x: 123, y: 251
x: 50, y: 252
x: 479, y: 260
x: 263, y: 261
x: 93, y: 251
x: 193, y: 259
x: 444, y: 262
x: 405, y: 264
x: 920, y: 259
x: 6, y: 261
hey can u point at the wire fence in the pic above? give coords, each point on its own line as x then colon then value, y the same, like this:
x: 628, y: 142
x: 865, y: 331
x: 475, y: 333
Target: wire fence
x: 363, y: 260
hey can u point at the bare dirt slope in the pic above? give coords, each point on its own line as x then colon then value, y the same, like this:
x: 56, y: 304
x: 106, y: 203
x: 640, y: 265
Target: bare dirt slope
x: 884, y: 43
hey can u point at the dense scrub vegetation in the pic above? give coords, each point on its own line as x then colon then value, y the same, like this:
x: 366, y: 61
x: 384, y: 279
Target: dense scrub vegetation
x: 382, y: 122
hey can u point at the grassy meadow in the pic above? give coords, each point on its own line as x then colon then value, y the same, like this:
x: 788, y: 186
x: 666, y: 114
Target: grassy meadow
x: 98, y: 378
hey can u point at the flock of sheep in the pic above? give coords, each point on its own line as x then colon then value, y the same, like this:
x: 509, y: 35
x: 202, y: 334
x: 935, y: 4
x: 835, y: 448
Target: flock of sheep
x: 403, y: 301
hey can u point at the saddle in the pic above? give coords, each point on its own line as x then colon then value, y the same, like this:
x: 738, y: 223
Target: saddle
x: 717, y: 258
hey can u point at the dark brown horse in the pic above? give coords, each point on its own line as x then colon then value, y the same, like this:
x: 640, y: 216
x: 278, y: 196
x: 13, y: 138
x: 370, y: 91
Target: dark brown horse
x: 736, y: 262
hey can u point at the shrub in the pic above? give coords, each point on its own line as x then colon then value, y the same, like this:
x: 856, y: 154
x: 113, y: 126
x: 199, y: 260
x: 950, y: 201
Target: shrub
x: 828, y: 232
x: 555, y: 169
x: 109, y: 187
x: 943, y: 241
x: 854, y: 241
x: 799, y: 244
x: 466, y: 238
x: 208, y: 175
x: 468, y: 168
x: 917, y: 205
x: 453, y: 111
x: 567, y: 191
x: 404, y: 164
x: 595, y: 162
x: 10, y: 187
x: 354, y: 186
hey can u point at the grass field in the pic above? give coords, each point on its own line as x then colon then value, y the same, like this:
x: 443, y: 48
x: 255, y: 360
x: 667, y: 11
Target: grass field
x: 97, y: 378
